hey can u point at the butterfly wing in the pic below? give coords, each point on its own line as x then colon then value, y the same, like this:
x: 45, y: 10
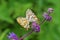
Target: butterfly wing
x: 23, y: 22
x: 31, y: 16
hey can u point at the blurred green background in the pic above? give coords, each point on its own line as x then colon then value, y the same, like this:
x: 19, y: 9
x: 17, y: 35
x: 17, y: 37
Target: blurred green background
x: 10, y: 9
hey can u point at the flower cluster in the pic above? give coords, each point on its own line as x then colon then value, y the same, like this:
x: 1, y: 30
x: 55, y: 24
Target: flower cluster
x: 35, y: 27
x: 46, y: 14
x: 12, y: 36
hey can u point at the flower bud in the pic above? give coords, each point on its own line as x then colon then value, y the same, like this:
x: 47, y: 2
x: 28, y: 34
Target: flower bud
x: 50, y: 10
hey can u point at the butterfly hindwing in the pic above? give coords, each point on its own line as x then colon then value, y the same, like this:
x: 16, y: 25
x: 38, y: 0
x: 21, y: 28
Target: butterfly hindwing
x: 23, y: 22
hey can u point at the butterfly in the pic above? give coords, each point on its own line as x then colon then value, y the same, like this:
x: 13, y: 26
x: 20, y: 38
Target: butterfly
x: 30, y: 17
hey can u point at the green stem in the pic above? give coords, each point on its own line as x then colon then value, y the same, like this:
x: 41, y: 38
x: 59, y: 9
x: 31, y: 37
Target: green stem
x: 27, y: 34
x: 3, y: 34
x: 0, y: 31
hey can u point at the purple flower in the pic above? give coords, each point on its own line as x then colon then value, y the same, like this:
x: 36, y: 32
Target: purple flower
x: 12, y: 36
x: 50, y: 10
x: 47, y: 17
x: 36, y: 27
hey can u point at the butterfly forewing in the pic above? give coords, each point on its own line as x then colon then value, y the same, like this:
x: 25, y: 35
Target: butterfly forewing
x: 30, y: 16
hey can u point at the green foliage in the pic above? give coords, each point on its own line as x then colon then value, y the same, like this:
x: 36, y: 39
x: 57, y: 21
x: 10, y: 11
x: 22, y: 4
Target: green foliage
x: 10, y: 9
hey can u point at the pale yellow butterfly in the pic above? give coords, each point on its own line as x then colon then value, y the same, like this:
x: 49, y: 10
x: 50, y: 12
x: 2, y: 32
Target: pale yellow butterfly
x: 30, y: 17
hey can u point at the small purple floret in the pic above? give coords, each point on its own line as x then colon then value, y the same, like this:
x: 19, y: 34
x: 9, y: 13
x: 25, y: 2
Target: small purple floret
x: 36, y: 27
x: 47, y: 17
